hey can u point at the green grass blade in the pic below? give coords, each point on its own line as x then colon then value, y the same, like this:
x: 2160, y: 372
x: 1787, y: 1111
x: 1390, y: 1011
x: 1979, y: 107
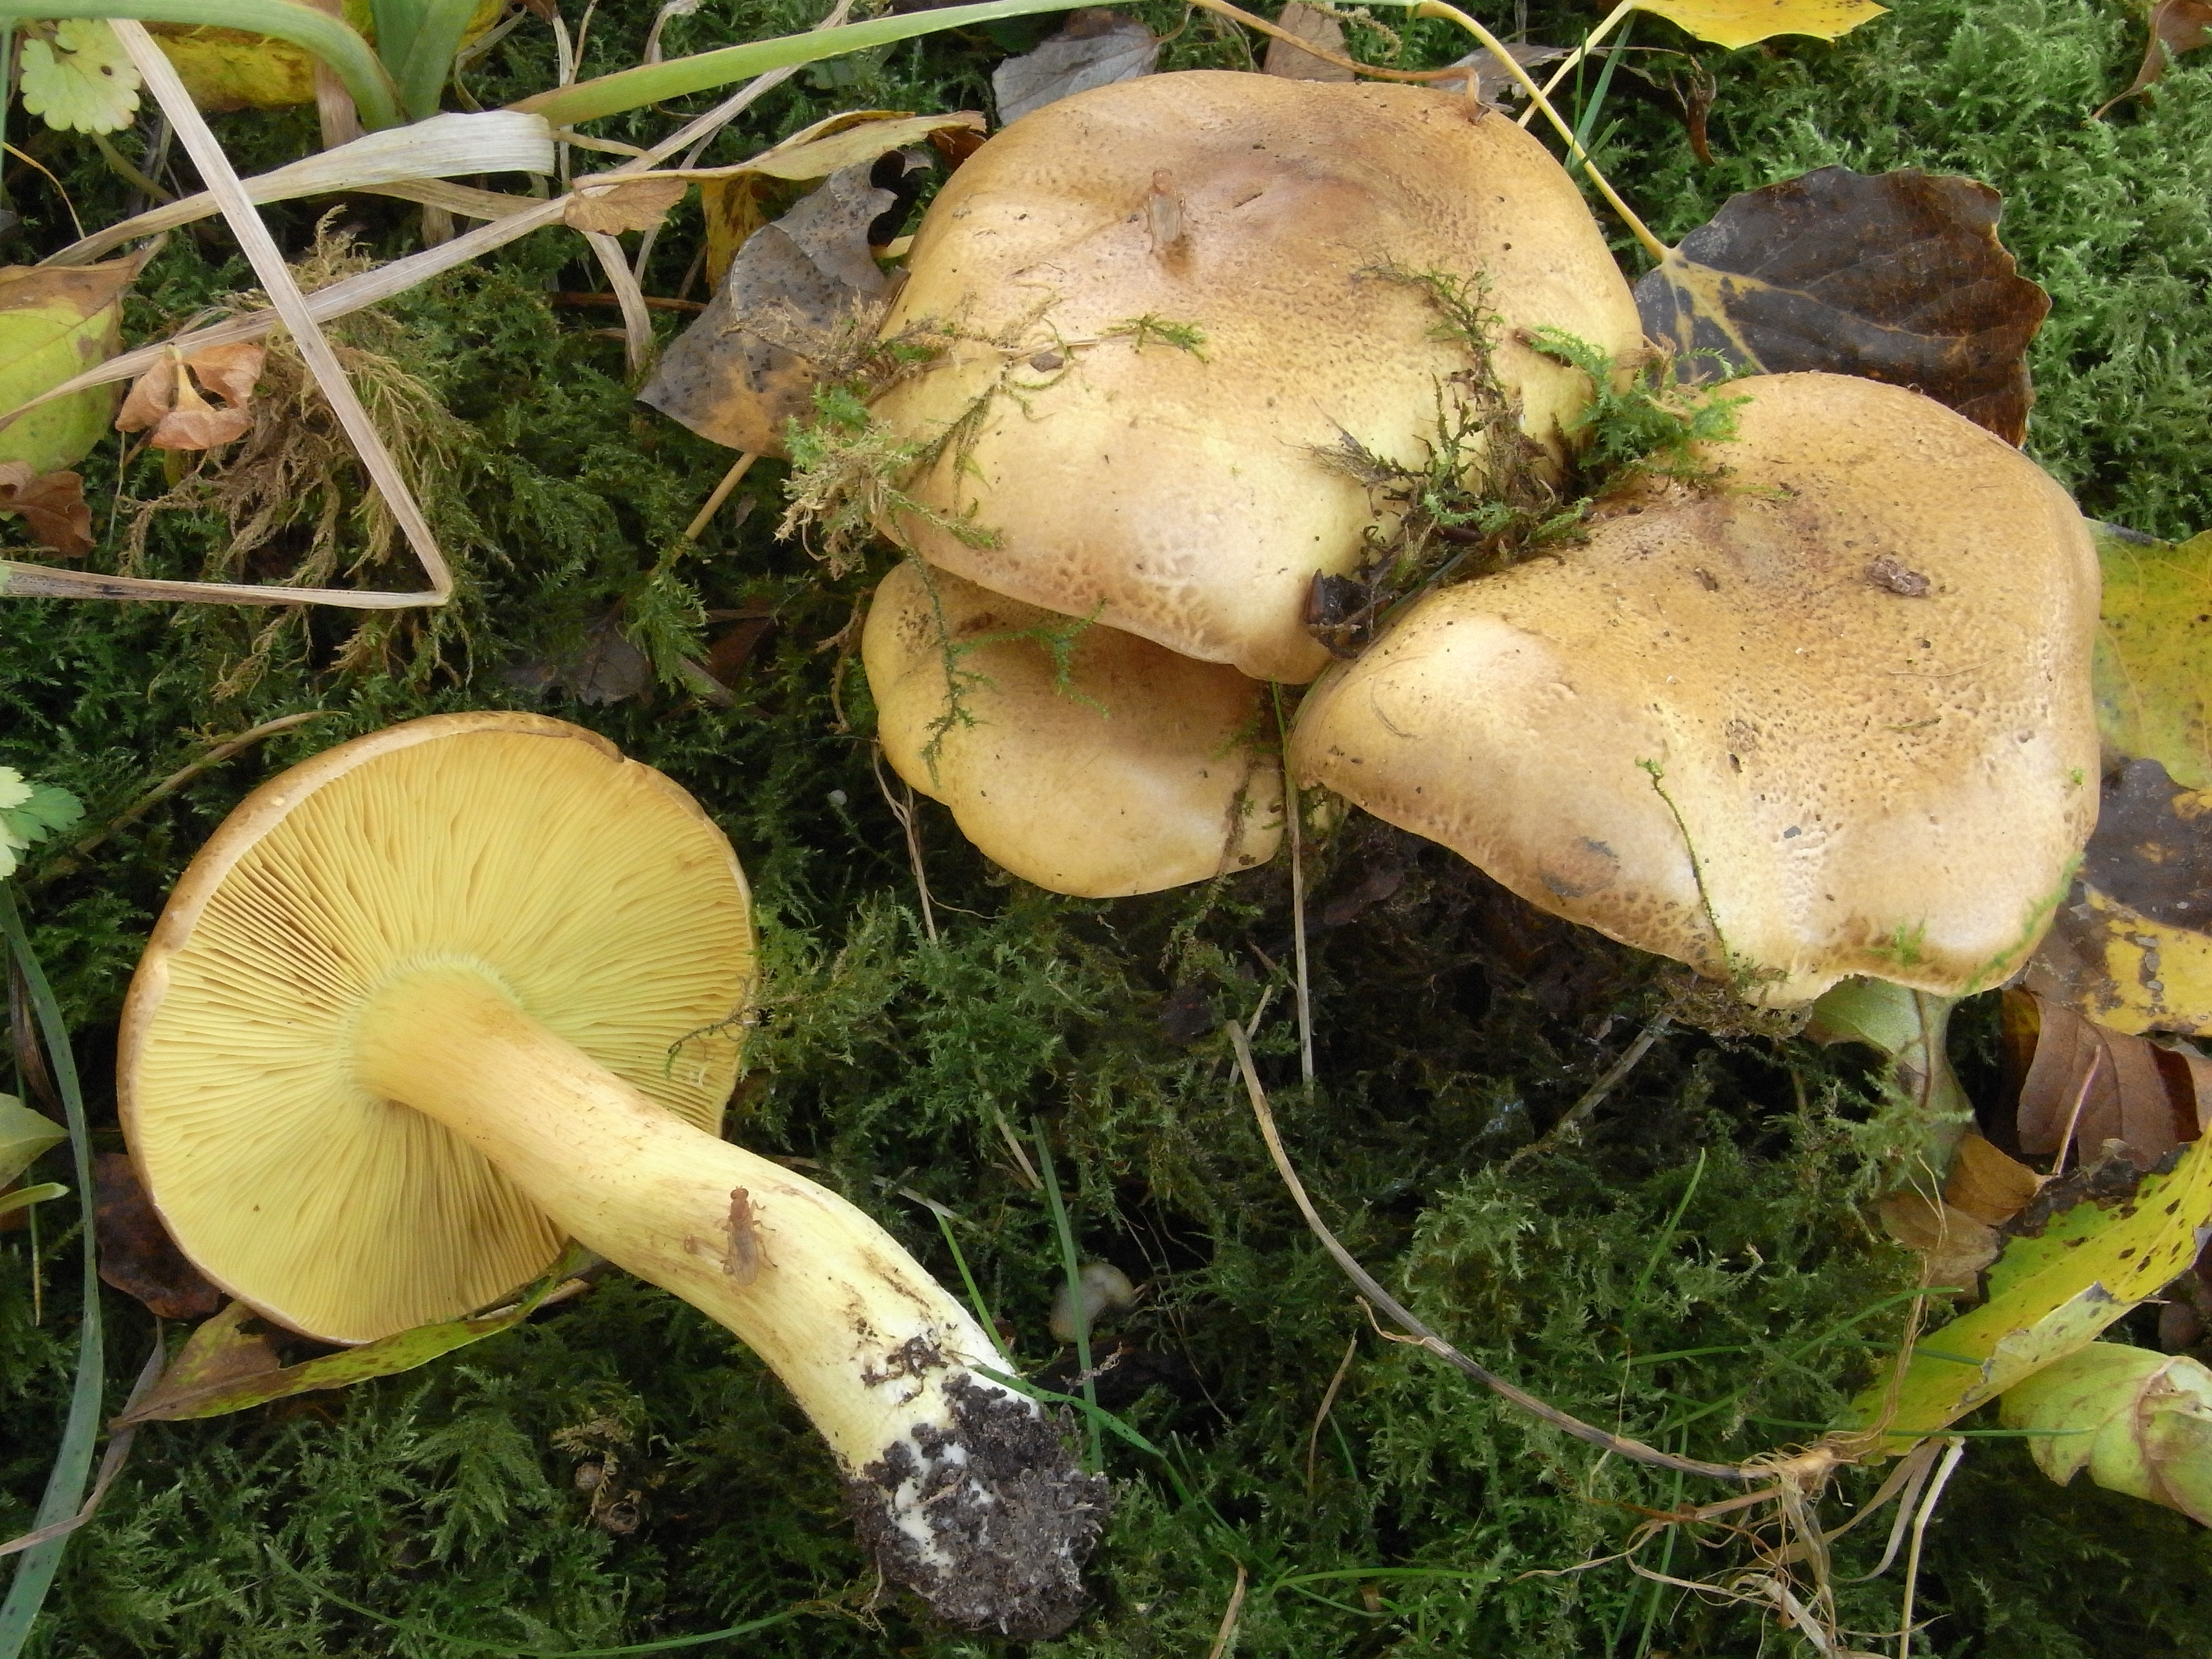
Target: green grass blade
x: 421, y: 71
x: 633, y: 88
x: 1068, y: 1254
x: 72, y: 1469
x: 330, y: 40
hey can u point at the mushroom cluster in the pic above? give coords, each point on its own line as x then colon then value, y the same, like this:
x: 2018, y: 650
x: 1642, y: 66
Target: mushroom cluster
x: 1158, y: 311
x: 436, y: 1000
x: 1829, y: 716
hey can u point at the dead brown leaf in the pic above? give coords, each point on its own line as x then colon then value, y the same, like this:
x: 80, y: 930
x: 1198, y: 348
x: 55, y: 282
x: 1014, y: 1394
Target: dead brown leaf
x: 1986, y: 1184
x: 1897, y: 276
x: 748, y: 365
x: 137, y: 1255
x: 51, y: 505
x: 1309, y: 23
x: 603, y: 668
x: 734, y: 211
x: 1956, y: 1246
x: 168, y: 398
x: 2176, y: 27
x: 611, y: 209
x: 1095, y: 48
x: 2087, y: 1085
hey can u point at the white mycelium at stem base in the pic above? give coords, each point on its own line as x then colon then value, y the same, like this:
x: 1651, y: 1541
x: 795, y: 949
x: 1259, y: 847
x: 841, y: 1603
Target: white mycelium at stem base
x: 438, y: 998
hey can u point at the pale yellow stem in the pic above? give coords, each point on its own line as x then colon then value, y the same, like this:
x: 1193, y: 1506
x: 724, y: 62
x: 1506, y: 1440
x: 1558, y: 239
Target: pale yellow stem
x: 863, y: 1339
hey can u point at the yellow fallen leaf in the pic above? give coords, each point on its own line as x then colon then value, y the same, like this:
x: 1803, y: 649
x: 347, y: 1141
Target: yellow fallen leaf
x: 54, y: 323
x: 2049, y: 1295
x: 1735, y: 23
x: 2153, y: 671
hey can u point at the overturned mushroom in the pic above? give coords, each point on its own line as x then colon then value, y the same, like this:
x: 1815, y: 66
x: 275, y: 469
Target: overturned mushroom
x: 1163, y: 303
x: 439, y: 997
x: 1137, y: 770
x: 1829, y: 717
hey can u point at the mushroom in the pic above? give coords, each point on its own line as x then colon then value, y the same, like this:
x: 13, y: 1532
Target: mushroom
x: 1162, y: 304
x: 1136, y: 770
x: 1830, y: 717
x: 432, y: 1000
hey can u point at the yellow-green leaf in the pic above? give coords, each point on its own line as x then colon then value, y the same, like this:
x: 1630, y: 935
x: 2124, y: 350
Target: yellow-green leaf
x: 81, y: 80
x: 2139, y: 1422
x: 54, y: 323
x: 2049, y: 1295
x: 1745, y: 22
x: 224, y: 1367
x: 24, y: 1135
x: 2153, y: 671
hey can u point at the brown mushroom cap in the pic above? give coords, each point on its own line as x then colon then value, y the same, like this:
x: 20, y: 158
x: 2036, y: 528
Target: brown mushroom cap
x: 597, y: 894
x: 1140, y: 772
x: 1833, y: 718
x: 1178, y: 494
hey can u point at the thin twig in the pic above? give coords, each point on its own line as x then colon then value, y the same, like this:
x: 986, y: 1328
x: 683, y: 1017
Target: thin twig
x: 112, y: 1461
x: 1920, y: 1519
x: 1298, y: 927
x: 739, y: 468
x: 1813, y: 1462
x: 637, y: 320
x: 1575, y: 57
x: 223, y: 750
x: 1327, y: 1400
x: 1227, y: 1633
x: 2074, y: 1117
x: 1571, y: 1122
x: 904, y: 813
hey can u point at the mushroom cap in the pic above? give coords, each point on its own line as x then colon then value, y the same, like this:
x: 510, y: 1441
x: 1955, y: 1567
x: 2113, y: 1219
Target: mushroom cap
x: 1140, y: 772
x: 1184, y: 496
x: 591, y: 889
x: 1860, y: 668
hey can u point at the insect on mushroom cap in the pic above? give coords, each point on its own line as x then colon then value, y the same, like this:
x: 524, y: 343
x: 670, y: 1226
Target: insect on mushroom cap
x: 1830, y: 715
x: 1163, y: 303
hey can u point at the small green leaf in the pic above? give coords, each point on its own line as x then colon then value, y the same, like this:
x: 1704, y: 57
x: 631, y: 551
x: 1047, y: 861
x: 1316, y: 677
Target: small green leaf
x: 2139, y: 1422
x: 224, y: 1368
x: 81, y: 80
x: 24, y: 1135
x: 23, y: 1197
x: 54, y: 325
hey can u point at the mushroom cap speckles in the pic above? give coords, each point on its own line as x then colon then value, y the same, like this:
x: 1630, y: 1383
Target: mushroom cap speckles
x: 590, y: 889
x: 1831, y: 717
x: 1180, y: 496
x: 1143, y: 770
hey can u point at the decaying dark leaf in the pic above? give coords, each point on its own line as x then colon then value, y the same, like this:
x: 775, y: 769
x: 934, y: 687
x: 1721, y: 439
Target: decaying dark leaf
x: 137, y: 1255
x: 1095, y: 49
x: 2176, y: 27
x: 734, y: 211
x: 51, y: 505
x: 748, y: 364
x: 1897, y: 276
x: 1317, y: 26
x: 2132, y: 946
x: 2098, y: 1089
x: 604, y: 668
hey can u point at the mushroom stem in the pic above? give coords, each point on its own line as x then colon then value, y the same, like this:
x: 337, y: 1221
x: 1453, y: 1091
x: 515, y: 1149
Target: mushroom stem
x: 960, y: 1485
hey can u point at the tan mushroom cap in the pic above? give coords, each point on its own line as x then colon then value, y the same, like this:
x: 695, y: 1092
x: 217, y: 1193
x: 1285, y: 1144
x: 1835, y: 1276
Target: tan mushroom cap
x: 593, y: 890
x: 1142, y: 772
x: 1860, y: 671
x: 1174, y: 494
